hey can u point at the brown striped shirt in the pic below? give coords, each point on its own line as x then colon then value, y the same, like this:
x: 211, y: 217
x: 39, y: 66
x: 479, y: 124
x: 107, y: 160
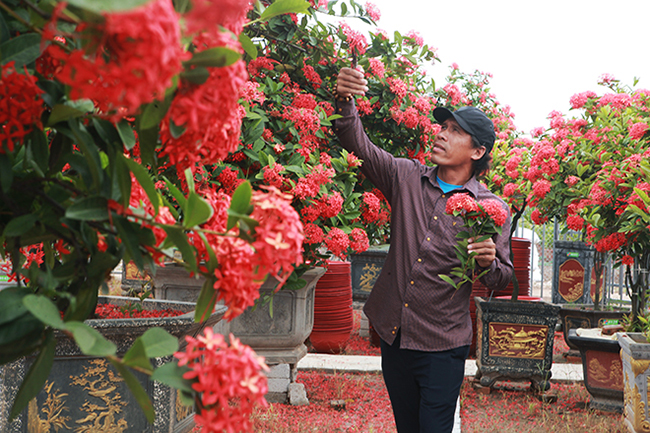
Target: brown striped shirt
x: 408, y: 295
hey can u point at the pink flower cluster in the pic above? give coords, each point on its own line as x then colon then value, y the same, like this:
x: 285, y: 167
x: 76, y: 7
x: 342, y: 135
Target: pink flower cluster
x: 21, y: 106
x: 355, y: 39
x: 228, y: 379
x: 373, y: 11
x: 468, y: 207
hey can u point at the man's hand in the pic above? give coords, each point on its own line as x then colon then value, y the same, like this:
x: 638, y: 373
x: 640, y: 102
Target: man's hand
x: 486, y: 252
x: 351, y: 82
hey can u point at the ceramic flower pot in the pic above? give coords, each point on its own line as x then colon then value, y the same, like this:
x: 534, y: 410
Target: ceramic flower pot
x: 515, y: 341
x: 635, y: 355
x: 574, y: 316
x: 84, y: 394
x: 602, y: 369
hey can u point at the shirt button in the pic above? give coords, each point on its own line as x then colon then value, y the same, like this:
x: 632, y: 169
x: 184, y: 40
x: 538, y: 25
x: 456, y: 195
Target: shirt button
x: 443, y: 196
x: 406, y: 305
x: 435, y: 217
x: 412, y: 282
x: 420, y: 260
x: 395, y: 328
x: 393, y: 332
x: 428, y: 239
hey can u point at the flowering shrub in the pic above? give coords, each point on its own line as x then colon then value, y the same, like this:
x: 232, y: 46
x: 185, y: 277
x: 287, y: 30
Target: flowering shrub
x: 289, y: 110
x: 110, y: 112
x: 591, y: 172
x: 482, y: 220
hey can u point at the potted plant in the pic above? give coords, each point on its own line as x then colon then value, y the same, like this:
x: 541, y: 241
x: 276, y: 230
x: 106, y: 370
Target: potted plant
x: 613, y: 213
x: 97, y: 99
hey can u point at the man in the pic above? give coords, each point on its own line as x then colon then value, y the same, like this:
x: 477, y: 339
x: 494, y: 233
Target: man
x: 423, y: 322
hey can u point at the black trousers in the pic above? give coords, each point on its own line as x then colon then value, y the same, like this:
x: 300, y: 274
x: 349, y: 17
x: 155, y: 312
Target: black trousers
x: 423, y: 386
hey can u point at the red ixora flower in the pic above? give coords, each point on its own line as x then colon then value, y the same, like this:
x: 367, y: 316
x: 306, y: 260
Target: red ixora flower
x: 461, y: 202
x: 627, y: 260
x: 228, y: 379
x: 495, y: 210
x: 134, y: 56
x: 209, y: 113
x: 21, y: 106
x: 279, y: 235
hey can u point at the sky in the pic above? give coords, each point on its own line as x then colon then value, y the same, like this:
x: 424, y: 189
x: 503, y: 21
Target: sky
x: 539, y: 52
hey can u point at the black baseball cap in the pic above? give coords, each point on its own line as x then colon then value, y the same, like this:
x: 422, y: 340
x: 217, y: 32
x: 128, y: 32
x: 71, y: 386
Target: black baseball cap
x: 473, y: 121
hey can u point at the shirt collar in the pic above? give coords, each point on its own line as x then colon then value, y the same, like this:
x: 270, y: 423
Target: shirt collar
x: 471, y: 186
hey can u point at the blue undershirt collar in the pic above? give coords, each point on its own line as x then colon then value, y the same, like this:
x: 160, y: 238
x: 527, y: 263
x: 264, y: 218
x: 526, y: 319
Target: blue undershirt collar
x: 446, y: 187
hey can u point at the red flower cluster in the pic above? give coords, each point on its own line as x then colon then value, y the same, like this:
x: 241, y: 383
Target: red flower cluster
x: 208, y: 15
x: 279, y: 235
x: 229, y: 380
x: 21, y: 106
x: 495, y: 211
x: 461, y: 202
x: 129, y: 60
x: 211, y: 115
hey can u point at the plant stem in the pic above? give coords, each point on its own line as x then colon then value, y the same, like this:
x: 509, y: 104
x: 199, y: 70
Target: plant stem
x: 20, y: 19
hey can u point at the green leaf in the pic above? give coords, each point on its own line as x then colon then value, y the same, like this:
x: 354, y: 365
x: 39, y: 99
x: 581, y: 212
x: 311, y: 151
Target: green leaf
x: 158, y: 343
x: 447, y: 279
x: 137, y: 390
x: 35, y: 378
x: 88, y: 209
x: 142, y: 176
x: 23, y: 49
x: 122, y: 176
x: 11, y: 300
x: 153, y: 113
x: 136, y: 356
x: 90, y: 341
x: 213, y: 57
x: 70, y: 110
x: 4, y: 30
x: 171, y: 374
x: 206, y: 302
x: 282, y: 7
x: 248, y: 45
x: 38, y: 149
x: 44, y: 309
x: 179, y: 239
x: 99, y: 6
x: 176, y: 193
x: 241, y: 198
x: 126, y: 133
x: 130, y: 240
x: 198, y: 75
x: 196, y: 211
x: 20, y: 225
x: 6, y: 172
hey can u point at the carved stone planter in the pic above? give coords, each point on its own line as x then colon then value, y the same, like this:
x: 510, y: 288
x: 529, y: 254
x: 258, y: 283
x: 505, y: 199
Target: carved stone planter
x: 515, y: 341
x: 84, y: 394
x: 635, y: 354
x: 602, y: 370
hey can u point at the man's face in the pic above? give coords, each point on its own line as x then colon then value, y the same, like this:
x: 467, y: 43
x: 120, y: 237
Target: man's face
x: 453, y: 146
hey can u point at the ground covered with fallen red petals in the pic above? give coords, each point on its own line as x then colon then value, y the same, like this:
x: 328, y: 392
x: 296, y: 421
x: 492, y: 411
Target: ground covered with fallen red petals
x: 354, y: 402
